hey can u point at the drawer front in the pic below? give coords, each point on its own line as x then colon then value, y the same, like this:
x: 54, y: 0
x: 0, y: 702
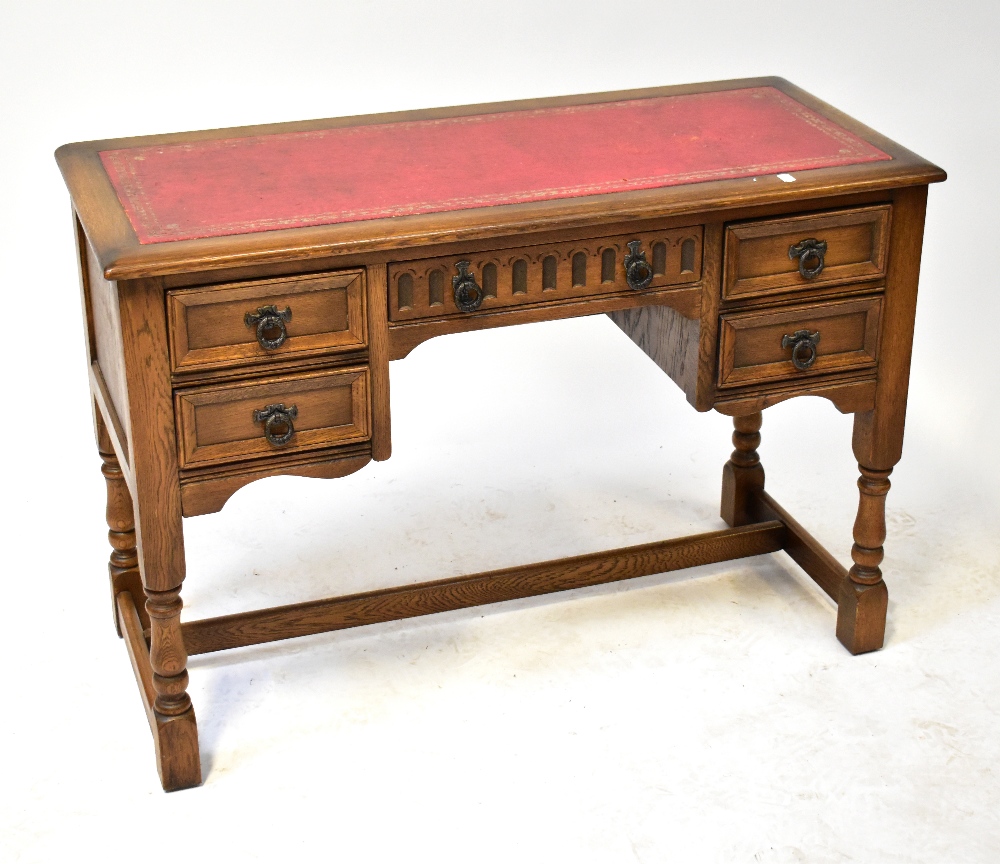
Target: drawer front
x: 227, y: 423
x: 798, y: 342
x: 769, y: 257
x: 538, y: 274
x: 231, y: 325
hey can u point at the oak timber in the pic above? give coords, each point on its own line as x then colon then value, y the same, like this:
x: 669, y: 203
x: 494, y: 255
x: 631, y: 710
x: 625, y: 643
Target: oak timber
x: 320, y: 616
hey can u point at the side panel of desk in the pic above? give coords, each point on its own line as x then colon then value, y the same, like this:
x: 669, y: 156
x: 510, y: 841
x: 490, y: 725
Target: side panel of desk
x: 683, y: 346
x: 105, y: 359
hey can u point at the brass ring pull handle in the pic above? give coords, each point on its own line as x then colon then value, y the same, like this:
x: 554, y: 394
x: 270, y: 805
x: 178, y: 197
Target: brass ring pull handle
x: 803, y: 345
x: 469, y: 295
x: 810, y: 254
x: 270, y: 324
x: 638, y: 272
x: 277, y: 420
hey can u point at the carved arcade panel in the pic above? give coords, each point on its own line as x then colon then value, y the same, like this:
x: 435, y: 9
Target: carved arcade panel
x: 427, y: 288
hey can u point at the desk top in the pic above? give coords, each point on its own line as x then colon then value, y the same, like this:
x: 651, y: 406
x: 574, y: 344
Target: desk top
x: 147, y: 204
x: 253, y: 183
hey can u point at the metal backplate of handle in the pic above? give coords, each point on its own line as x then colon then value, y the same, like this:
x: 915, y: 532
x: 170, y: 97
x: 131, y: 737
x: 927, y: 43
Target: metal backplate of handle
x: 270, y: 324
x: 811, y: 254
x: 803, y: 345
x: 277, y: 420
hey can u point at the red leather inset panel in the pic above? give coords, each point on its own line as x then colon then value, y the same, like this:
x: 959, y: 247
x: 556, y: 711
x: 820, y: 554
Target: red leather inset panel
x: 354, y: 173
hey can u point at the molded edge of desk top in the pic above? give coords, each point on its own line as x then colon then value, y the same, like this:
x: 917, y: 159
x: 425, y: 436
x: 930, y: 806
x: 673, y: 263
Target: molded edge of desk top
x: 121, y: 256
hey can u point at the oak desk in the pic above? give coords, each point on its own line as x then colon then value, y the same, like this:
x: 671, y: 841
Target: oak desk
x: 245, y: 289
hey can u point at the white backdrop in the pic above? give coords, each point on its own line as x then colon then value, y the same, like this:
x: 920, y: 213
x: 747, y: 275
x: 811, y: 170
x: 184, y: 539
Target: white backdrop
x: 704, y: 716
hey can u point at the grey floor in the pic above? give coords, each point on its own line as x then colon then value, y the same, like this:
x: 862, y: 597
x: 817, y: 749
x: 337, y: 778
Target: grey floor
x: 708, y: 715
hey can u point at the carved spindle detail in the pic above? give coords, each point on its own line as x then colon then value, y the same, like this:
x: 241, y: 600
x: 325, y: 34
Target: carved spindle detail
x: 864, y: 598
x: 869, y: 527
x: 167, y: 654
x: 743, y: 475
x: 121, y: 519
x: 123, y: 566
x: 746, y: 440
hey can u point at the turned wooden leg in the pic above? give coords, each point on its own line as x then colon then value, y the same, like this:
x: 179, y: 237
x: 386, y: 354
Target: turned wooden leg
x: 743, y: 475
x: 878, y: 433
x: 161, y: 667
x: 123, y: 567
x: 156, y: 496
x: 864, y: 599
x: 176, y: 731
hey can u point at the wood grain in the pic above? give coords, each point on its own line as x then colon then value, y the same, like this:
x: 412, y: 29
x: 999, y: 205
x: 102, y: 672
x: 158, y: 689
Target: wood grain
x: 105, y: 413
x: 175, y: 738
x: 84, y: 275
x: 848, y: 396
x: 156, y: 492
x: 708, y: 337
x: 320, y: 616
x: 864, y: 598
x: 748, y: 209
x: 751, y: 343
x: 665, y: 250
x: 405, y: 336
x: 674, y: 339
x: 742, y: 475
x: 757, y: 261
x: 138, y: 650
x: 108, y: 351
x: 159, y: 535
x: 378, y: 360
x: 208, y: 328
x: 123, y: 566
x: 216, y: 423
x: 825, y: 570
x: 878, y: 434
x: 668, y: 338
x: 207, y: 491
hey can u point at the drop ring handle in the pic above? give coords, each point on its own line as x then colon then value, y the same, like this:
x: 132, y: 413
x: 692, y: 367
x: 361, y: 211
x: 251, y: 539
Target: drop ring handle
x: 811, y: 254
x: 469, y: 294
x: 270, y: 326
x: 804, y: 348
x: 638, y: 272
x: 277, y: 420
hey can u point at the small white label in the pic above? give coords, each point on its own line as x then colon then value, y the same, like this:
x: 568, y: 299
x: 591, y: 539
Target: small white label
x: 786, y: 178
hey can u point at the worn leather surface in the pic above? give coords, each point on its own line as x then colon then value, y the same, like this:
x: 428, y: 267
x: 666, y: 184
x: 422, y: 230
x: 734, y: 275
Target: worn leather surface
x: 240, y: 185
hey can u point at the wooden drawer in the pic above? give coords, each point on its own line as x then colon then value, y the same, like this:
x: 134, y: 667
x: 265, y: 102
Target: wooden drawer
x: 757, y: 347
x: 758, y: 259
x: 222, y: 424
x: 544, y: 273
x: 210, y: 327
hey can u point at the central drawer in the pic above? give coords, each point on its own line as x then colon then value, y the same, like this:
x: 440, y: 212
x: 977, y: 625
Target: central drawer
x: 507, y: 278
x: 272, y: 416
